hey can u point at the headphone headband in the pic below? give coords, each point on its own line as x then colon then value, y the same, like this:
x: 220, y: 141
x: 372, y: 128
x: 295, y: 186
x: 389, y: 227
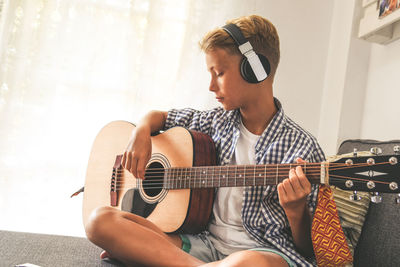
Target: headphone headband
x: 252, y: 69
x: 235, y: 33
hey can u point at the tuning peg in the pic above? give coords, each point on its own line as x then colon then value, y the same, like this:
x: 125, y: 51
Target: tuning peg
x: 376, y: 150
x: 376, y: 198
x: 354, y: 196
x: 396, y: 149
x: 397, y: 199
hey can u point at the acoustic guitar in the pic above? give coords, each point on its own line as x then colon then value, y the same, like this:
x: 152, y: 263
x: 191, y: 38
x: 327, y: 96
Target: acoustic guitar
x: 178, y: 189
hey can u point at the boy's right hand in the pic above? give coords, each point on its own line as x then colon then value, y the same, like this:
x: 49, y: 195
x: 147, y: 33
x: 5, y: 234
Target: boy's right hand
x: 138, y: 152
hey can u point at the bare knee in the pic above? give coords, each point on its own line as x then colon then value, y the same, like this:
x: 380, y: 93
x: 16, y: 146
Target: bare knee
x: 99, y: 223
x: 253, y: 258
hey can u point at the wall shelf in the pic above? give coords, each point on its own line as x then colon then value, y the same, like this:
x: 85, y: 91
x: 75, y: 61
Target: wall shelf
x: 378, y: 30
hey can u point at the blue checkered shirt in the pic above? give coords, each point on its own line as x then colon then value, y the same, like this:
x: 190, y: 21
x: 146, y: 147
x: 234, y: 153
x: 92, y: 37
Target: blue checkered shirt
x: 281, y: 142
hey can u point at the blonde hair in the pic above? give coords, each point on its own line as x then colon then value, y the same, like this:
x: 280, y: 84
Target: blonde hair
x: 260, y: 32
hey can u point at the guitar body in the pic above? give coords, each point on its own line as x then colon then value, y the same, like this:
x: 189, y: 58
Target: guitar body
x: 179, y: 210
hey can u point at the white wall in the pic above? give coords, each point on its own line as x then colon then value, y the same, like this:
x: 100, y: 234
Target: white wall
x: 361, y: 89
x: 381, y: 113
x: 304, y: 28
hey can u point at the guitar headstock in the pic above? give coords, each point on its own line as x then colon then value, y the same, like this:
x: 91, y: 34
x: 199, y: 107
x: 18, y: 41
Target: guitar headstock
x: 366, y: 173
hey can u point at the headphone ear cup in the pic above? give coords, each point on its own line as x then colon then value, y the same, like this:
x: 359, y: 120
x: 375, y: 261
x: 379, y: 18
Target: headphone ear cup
x: 247, y: 72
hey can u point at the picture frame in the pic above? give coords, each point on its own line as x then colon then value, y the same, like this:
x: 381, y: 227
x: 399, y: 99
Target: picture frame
x: 386, y: 7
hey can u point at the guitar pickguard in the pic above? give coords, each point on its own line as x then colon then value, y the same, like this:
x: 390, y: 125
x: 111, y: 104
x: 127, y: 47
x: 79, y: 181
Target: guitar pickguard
x: 133, y: 202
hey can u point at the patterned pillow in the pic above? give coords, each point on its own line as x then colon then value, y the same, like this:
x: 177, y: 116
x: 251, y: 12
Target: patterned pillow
x: 351, y: 213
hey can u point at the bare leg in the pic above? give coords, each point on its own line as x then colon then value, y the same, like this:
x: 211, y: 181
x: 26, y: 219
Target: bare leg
x: 250, y: 258
x: 135, y: 240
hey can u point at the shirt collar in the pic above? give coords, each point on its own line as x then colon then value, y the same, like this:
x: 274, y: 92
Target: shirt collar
x: 274, y: 127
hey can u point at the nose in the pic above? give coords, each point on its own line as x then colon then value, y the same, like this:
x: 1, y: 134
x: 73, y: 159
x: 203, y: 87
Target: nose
x: 213, y: 85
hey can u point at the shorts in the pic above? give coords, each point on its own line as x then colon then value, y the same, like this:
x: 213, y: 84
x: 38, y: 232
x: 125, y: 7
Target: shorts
x: 200, y: 246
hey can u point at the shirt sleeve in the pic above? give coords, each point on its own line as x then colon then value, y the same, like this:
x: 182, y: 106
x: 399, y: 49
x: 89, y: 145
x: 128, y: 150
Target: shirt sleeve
x: 190, y: 119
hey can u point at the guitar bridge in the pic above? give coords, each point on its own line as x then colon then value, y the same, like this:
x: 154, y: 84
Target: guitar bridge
x: 114, y: 181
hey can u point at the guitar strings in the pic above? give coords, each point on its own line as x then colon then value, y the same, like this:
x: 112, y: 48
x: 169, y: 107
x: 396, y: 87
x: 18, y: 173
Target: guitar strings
x: 153, y: 185
x: 161, y: 186
x: 226, y: 173
x: 270, y: 169
x: 258, y: 168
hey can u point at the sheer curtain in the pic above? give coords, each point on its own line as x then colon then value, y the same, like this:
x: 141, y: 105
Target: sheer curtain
x: 68, y: 67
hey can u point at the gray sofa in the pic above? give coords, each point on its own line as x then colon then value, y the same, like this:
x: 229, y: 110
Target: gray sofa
x: 17, y: 248
x: 377, y: 246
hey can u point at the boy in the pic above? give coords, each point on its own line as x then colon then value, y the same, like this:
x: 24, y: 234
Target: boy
x: 250, y: 226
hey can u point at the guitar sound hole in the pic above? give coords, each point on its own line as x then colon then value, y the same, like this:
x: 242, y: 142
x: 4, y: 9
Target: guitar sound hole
x: 154, y: 179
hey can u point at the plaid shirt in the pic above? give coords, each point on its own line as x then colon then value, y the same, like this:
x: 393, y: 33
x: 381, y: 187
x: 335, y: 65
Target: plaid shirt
x: 281, y: 142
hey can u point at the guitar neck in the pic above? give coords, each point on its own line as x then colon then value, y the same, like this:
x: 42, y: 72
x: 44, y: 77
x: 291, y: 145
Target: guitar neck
x: 237, y: 175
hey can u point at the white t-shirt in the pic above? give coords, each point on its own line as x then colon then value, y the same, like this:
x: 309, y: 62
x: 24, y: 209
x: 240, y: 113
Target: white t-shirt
x: 226, y: 226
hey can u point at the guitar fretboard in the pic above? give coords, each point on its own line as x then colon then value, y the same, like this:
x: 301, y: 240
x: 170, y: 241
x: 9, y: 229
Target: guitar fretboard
x: 235, y: 175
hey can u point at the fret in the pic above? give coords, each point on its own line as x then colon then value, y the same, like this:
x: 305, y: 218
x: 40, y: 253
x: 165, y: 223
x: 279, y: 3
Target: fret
x: 244, y: 180
x: 176, y: 178
x: 219, y: 176
x: 171, y: 177
x: 212, y: 177
x: 207, y: 182
x: 201, y: 173
x: 200, y: 179
x: 265, y: 174
x: 248, y: 177
x: 223, y: 176
x: 179, y: 178
x: 277, y: 171
x: 190, y: 178
x: 232, y: 180
x: 256, y: 175
x: 254, y: 179
x: 203, y: 177
x: 193, y: 178
x: 235, y: 175
x: 260, y: 175
x: 198, y: 176
x: 208, y: 179
x: 224, y: 180
x: 227, y: 175
x: 185, y: 178
x: 241, y: 176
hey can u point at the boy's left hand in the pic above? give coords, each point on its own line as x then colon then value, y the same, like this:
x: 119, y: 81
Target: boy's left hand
x: 293, y: 192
